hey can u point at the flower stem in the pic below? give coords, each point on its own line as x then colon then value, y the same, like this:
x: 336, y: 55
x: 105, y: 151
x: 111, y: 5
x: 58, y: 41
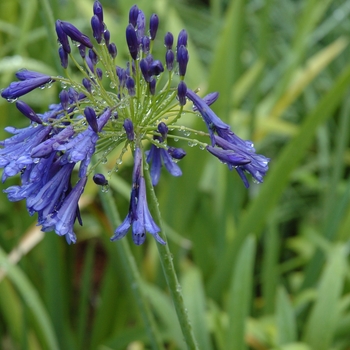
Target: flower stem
x: 132, y: 273
x: 166, y: 259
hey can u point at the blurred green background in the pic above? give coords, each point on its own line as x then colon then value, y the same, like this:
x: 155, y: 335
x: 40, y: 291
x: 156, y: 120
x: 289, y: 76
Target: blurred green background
x: 263, y: 268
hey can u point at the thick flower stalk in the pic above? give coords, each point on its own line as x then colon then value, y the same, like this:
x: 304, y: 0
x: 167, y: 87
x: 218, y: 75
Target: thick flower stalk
x: 112, y: 104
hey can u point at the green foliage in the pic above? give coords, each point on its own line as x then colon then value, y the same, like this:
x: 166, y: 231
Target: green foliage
x: 263, y: 268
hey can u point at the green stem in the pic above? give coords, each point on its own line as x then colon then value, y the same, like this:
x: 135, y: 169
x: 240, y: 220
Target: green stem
x: 133, y: 274
x: 166, y: 259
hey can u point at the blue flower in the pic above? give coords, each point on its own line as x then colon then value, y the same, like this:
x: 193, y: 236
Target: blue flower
x: 63, y: 219
x: 256, y: 165
x: 158, y: 156
x: 29, y: 82
x: 213, y: 122
x: 139, y: 216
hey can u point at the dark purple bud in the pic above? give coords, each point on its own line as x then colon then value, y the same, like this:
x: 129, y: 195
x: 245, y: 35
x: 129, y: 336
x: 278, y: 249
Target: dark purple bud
x: 129, y: 129
x: 121, y: 75
x: 99, y: 73
x: 64, y: 98
x: 99, y: 179
x: 177, y: 153
x: 63, y: 57
x: 131, y: 40
x: 182, y: 39
x: 90, y: 64
x: 140, y: 25
x: 93, y: 57
x: 73, y: 95
x: 168, y: 40
x: 107, y: 36
x: 163, y: 129
x: 145, y: 69
x: 25, y: 74
x: 152, y: 86
x: 153, y: 26
x: 128, y: 68
x: 28, y: 112
x: 91, y: 118
x: 97, y: 28
x: 169, y: 60
x: 75, y: 34
x: 145, y: 44
x: 62, y: 37
x: 82, y: 50
x: 156, y: 68
x: 20, y: 88
x: 87, y: 84
x: 181, y: 92
x: 133, y: 14
x: 130, y: 85
x: 98, y: 10
x: 112, y: 49
x: 182, y: 58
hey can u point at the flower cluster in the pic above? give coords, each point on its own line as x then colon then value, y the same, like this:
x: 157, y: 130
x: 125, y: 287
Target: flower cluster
x: 111, y: 105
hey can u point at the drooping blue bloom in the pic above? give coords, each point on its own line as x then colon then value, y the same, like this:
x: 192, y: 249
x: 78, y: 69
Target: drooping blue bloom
x: 158, y: 156
x: 212, y: 121
x: 63, y: 219
x: 19, y: 88
x: 139, y: 216
x: 258, y: 164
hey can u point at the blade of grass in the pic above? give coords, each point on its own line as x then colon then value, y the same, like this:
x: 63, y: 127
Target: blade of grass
x: 323, y: 318
x: 285, y: 319
x: 33, y: 301
x: 194, y: 295
x: 239, y: 301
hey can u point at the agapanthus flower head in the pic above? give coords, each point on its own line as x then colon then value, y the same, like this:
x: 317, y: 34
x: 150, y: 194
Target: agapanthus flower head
x: 112, y: 104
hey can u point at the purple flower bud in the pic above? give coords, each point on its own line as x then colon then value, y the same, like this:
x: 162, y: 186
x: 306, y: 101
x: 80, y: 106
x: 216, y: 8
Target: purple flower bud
x: 153, y: 26
x: 98, y: 10
x: 145, y: 44
x: 129, y: 129
x: 181, y: 92
x: 63, y: 57
x: 87, y: 84
x: 156, y: 68
x: 145, y: 69
x: 133, y: 14
x: 90, y: 64
x: 208, y: 99
x: 97, y: 28
x: 91, y: 118
x: 99, y: 73
x: 112, y: 49
x: 25, y: 74
x: 73, y: 95
x: 93, y: 57
x: 163, y: 129
x: 28, y: 112
x: 62, y: 37
x: 168, y: 40
x: 130, y: 85
x: 229, y: 157
x: 182, y: 39
x: 20, y: 88
x: 152, y: 86
x: 169, y: 59
x: 131, y: 40
x: 121, y: 75
x: 182, y: 58
x: 100, y: 180
x: 177, y: 153
x: 75, y: 34
x: 140, y: 26
x: 107, y: 36
x: 64, y: 98
x: 82, y: 50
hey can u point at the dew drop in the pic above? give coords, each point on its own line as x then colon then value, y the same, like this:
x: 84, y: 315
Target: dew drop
x: 105, y: 188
